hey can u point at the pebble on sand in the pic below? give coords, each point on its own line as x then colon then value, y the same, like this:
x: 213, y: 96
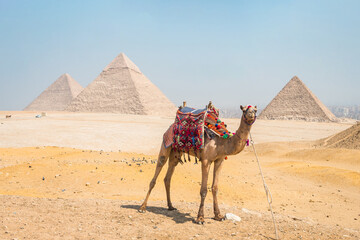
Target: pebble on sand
x: 233, y: 217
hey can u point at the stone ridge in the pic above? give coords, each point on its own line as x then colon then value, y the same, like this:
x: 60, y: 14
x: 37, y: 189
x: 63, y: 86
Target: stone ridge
x: 122, y: 88
x: 296, y: 102
x: 74, y: 86
x: 57, y: 96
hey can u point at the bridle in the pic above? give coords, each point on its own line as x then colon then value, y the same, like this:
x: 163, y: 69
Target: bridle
x: 247, y: 120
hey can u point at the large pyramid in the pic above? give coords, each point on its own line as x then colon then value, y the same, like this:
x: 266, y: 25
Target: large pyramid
x: 296, y: 102
x: 57, y: 96
x: 122, y: 88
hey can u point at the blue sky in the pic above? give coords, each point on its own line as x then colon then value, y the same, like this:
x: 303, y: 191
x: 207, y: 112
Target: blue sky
x: 230, y: 52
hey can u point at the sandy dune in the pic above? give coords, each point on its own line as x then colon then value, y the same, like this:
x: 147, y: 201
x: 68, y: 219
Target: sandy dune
x: 76, y: 191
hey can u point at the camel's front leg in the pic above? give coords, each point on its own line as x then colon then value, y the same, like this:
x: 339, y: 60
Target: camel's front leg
x: 214, y: 189
x: 205, y: 167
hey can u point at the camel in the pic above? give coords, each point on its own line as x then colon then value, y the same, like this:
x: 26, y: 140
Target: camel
x: 215, y: 150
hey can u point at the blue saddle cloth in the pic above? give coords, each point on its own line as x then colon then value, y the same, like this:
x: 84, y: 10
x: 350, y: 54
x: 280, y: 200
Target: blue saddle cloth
x: 191, y: 110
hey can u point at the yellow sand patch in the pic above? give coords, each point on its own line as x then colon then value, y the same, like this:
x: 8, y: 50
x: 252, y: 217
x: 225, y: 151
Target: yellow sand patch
x: 321, y: 174
x: 346, y: 156
x: 78, y: 174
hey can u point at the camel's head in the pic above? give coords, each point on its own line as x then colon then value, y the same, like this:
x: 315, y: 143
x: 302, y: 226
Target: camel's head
x: 249, y: 114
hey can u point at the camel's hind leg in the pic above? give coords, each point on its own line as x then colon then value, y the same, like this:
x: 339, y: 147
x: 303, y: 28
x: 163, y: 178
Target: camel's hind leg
x: 173, y: 161
x: 163, y: 156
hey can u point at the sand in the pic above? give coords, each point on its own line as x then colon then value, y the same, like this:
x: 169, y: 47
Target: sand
x: 70, y: 189
x: 132, y: 133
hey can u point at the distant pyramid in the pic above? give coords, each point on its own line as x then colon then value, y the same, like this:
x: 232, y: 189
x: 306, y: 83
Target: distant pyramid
x: 57, y: 96
x: 122, y: 88
x: 296, y: 102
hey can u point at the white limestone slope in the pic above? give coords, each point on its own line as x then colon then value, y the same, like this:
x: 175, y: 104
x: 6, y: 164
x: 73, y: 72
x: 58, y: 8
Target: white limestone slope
x: 296, y: 102
x: 122, y: 88
x: 57, y: 96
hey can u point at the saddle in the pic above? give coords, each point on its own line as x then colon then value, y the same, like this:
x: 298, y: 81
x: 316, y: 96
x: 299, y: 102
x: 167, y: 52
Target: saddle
x: 191, y: 126
x: 189, y: 129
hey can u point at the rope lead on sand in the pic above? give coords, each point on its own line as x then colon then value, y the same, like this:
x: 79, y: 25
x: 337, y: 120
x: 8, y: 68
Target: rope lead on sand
x: 267, y: 190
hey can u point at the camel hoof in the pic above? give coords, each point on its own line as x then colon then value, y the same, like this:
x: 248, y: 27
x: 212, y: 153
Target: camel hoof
x: 200, y: 221
x: 142, y: 210
x: 220, y: 218
x: 172, y: 208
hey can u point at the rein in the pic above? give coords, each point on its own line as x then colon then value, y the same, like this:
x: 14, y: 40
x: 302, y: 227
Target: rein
x: 267, y: 190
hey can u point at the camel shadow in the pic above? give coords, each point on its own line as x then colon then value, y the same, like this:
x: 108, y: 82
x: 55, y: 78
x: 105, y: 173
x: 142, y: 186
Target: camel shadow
x: 177, y: 216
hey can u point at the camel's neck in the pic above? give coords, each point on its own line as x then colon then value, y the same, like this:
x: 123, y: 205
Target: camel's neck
x: 236, y: 143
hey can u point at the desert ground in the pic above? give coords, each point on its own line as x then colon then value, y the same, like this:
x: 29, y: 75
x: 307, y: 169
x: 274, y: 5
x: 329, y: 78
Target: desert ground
x: 84, y: 176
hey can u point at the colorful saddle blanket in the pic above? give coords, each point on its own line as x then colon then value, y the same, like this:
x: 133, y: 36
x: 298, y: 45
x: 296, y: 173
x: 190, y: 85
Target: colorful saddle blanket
x: 187, y: 133
x: 188, y: 129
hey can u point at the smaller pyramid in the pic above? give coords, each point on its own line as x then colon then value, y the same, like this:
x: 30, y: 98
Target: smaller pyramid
x: 57, y: 96
x: 296, y: 102
x: 122, y: 88
x: 349, y: 138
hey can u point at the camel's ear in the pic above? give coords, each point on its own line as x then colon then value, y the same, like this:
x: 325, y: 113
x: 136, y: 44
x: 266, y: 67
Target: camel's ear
x: 242, y: 108
x: 255, y: 108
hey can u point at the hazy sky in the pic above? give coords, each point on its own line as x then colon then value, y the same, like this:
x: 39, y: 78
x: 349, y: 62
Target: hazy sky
x: 230, y: 52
